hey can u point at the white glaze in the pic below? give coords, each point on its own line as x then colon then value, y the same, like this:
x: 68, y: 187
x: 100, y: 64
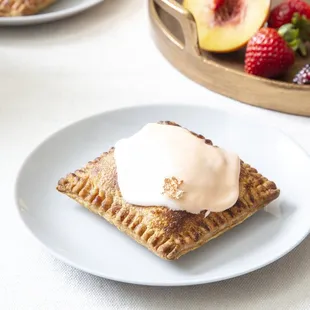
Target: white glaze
x: 210, y: 175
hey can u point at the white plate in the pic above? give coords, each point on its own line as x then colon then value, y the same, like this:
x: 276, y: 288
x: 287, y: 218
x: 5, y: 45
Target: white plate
x: 88, y: 242
x: 58, y: 10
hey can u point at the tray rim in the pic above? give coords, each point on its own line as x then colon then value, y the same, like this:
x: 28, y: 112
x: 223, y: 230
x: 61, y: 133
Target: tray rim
x: 168, y: 44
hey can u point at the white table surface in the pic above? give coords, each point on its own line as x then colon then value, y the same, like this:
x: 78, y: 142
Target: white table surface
x: 55, y: 74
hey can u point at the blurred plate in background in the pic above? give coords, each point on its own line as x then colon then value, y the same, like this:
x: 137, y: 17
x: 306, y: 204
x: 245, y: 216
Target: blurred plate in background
x: 58, y: 10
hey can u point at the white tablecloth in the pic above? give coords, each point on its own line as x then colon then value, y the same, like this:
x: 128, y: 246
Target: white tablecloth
x: 52, y: 75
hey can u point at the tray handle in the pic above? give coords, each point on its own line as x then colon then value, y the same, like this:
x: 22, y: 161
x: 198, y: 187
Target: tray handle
x: 186, y: 20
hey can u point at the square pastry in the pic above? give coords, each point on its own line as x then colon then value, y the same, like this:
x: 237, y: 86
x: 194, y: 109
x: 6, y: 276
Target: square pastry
x: 168, y: 233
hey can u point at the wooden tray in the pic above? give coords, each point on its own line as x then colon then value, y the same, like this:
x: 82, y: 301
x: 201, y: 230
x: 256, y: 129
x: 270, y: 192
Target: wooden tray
x: 175, y: 34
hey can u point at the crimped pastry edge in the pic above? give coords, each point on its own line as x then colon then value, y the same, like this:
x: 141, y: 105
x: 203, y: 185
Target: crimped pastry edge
x: 173, y: 255
x: 81, y: 189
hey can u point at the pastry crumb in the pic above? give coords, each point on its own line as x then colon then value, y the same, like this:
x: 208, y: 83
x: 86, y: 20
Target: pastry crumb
x: 207, y: 213
x: 171, y: 188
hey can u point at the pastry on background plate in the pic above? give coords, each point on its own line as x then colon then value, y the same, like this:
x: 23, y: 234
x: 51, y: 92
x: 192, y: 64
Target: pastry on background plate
x: 22, y: 7
x: 169, y: 189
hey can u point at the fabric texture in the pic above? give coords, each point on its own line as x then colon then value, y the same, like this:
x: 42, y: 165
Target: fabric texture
x: 40, y: 281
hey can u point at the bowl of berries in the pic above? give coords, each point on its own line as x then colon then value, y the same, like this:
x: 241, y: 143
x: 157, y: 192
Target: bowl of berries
x: 256, y: 52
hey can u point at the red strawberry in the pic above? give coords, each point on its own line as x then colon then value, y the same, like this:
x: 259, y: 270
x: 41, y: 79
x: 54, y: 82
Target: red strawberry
x: 283, y: 13
x: 215, y: 4
x: 268, y: 54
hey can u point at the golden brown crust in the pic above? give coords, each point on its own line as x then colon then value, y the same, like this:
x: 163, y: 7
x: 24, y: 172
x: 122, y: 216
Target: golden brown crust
x: 169, y: 234
x: 22, y: 7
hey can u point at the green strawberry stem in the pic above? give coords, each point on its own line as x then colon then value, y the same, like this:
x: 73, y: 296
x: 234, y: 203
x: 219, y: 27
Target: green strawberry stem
x: 303, y: 24
x: 297, y: 33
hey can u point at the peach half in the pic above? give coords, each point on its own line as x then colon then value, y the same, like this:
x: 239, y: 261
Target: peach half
x: 227, y: 25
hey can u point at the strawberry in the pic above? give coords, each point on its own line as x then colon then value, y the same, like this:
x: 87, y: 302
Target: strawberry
x: 283, y: 13
x: 268, y: 54
x: 215, y: 4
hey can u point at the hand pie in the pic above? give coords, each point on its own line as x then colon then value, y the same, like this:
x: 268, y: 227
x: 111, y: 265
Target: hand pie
x: 22, y: 7
x: 167, y: 233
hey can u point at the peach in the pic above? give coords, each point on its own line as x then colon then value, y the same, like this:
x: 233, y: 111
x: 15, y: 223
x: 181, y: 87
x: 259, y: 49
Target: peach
x: 225, y: 26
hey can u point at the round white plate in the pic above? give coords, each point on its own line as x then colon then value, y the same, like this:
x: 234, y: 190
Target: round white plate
x: 88, y: 242
x: 60, y: 9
